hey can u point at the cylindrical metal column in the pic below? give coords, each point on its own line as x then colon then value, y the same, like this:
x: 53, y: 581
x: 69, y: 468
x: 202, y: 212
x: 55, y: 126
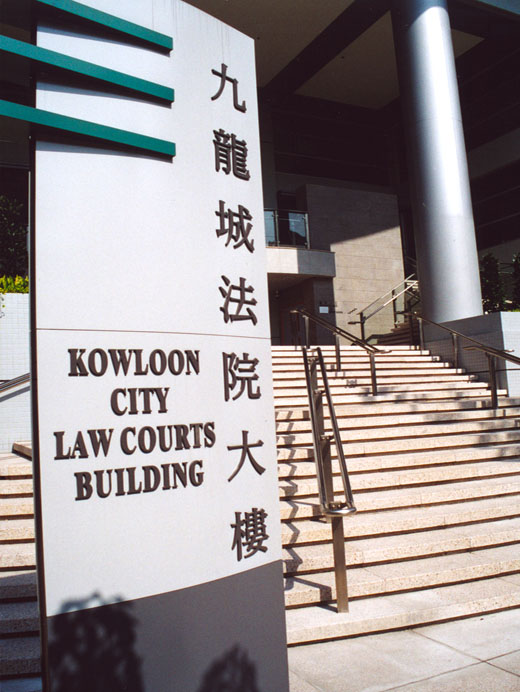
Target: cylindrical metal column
x: 439, y: 185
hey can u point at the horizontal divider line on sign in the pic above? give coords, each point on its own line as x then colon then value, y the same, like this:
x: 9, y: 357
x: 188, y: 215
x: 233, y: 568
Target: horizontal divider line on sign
x: 86, y: 128
x: 111, y: 22
x: 88, y: 69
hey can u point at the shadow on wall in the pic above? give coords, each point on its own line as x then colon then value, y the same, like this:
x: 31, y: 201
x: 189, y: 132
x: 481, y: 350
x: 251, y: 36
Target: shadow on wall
x: 92, y: 647
x: 233, y: 672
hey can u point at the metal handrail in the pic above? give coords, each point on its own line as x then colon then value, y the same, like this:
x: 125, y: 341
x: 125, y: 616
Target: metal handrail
x: 491, y: 353
x: 14, y: 382
x: 404, y: 286
x: 339, y: 332
x: 389, y: 292
x: 333, y: 509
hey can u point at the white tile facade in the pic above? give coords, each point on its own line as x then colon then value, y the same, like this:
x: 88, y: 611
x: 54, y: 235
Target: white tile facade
x: 15, y: 404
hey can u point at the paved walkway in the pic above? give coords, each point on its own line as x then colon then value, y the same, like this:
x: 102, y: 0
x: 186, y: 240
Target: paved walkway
x: 480, y: 654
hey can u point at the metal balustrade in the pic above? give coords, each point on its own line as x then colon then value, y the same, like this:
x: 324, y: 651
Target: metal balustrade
x: 333, y: 509
x: 286, y: 228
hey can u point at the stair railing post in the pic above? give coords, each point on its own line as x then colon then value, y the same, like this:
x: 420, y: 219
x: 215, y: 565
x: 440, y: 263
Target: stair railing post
x: 410, y: 328
x: 492, y: 364
x: 373, y: 373
x: 455, y: 346
x: 294, y: 320
x: 338, y: 353
x: 421, y: 333
x: 338, y: 535
x: 340, y: 567
x: 362, y: 325
x: 306, y: 323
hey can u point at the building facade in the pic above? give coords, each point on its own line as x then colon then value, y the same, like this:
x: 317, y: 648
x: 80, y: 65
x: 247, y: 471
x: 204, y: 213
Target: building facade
x: 370, y: 113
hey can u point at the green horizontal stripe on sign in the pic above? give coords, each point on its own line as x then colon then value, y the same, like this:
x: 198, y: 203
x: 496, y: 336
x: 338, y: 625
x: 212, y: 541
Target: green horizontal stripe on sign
x: 86, y: 128
x: 111, y: 22
x: 50, y: 57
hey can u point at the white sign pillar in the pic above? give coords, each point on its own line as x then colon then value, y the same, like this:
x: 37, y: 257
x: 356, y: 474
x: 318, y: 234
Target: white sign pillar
x: 158, y: 529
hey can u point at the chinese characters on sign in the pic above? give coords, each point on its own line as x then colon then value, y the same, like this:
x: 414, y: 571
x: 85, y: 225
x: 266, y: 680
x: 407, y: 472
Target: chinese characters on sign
x: 230, y: 154
x: 223, y: 79
x: 235, y: 225
x: 250, y: 533
x: 246, y: 454
x: 239, y: 301
x: 240, y: 372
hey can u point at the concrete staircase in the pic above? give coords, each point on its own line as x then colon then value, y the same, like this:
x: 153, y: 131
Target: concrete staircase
x: 401, y: 334
x: 19, y: 636
x: 436, y: 481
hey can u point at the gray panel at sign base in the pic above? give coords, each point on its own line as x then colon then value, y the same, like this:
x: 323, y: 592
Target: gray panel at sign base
x: 207, y: 638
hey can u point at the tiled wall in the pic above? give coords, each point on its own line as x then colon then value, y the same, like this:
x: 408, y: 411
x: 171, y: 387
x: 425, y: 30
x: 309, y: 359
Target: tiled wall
x: 362, y: 228
x: 14, y: 335
x: 15, y: 415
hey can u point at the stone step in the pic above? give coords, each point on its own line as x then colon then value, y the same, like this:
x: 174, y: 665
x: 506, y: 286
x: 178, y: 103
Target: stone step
x: 294, y: 508
x: 13, y: 466
x: 305, y: 530
x: 19, y: 656
x: 363, y: 377
x: 370, y: 406
x: 357, y: 449
x: 17, y: 556
x: 424, y: 573
x: 403, y: 610
x: 361, y: 356
x: 394, y: 364
x: 430, y: 475
x: 375, y: 421
x: 291, y: 468
x: 403, y: 430
x: 356, y: 397
x: 425, y: 386
x: 16, y: 584
x: 16, y: 507
x: 16, y: 487
x: 423, y: 477
x: 383, y: 549
x: 16, y: 530
x: 19, y: 617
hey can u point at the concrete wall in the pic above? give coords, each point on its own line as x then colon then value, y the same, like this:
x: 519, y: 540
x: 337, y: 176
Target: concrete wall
x: 362, y: 228
x: 15, y: 404
x: 293, y: 260
x: 500, y: 330
x: 495, y: 154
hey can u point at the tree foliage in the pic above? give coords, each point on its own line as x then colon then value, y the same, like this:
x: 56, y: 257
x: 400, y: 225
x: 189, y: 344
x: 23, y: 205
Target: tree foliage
x: 13, y: 238
x: 493, y: 291
x: 515, y: 294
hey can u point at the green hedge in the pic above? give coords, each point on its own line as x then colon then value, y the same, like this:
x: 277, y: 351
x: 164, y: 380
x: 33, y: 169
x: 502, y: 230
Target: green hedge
x: 14, y: 284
